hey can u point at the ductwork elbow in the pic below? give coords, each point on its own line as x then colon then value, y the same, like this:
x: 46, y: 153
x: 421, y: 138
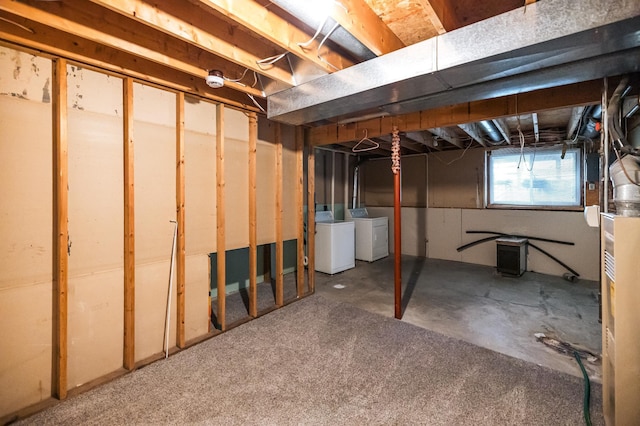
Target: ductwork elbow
x: 626, y: 192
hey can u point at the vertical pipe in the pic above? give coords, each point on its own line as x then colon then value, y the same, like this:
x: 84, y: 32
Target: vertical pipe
x: 333, y: 183
x: 605, y: 148
x: 345, y: 177
x: 397, y: 216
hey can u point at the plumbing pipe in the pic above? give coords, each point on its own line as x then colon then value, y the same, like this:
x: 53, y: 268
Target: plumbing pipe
x: 356, y: 171
x: 523, y: 236
x: 345, y: 177
x: 168, y: 316
x: 333, y: 184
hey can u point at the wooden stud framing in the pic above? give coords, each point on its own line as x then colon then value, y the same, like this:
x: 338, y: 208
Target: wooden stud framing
x: 300, y: 211
x: 220, y: 241
x: 61, y: 228
x: 129, y: 229
x: 180, y: 243
x: 311, y: 217
x: 253, y: 217
x: 279, y: 244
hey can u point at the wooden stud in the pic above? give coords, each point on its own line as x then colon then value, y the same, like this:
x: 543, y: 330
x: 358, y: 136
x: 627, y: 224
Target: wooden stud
x: 300, y: 210
x: 268, y: 25
x: 220, y: 241
x: 279, y: 244
x: 311, y: 217
x: 129, y: 230
x: 61, y: 228
x: 175, y: 27
x: 253, y: 216
x: 180, y: 217
x: 90, y: 33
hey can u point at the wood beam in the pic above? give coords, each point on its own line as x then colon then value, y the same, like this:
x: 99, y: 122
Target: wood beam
x: 278, y: 218
x: 434, y: 17
x: 105, y: 58
x: 311, y: 217
x: 129, y: 361
x: 357, y: 18
x: 220, y: 218
x: 61, y: 228
x: 253, y: 216
x: 92, y: 34
x: 299, y: 135
x: 524, y: 103
x: 176, y: 27
x: 180, y: 217
x: 277, y: 30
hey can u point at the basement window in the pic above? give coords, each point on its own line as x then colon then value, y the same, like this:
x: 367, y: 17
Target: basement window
x: 534, y: 177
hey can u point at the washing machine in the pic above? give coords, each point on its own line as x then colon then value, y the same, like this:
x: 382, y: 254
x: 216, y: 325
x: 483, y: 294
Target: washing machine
x: 372, y: 234
x: 334, y: 243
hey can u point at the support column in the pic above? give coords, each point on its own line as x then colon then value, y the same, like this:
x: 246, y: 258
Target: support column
x: 221, y: 223
x: 397, y: 215
x: 129, y: 231
x: 253, y: 216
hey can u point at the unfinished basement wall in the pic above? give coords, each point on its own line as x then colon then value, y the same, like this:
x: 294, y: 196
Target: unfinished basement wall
x: 26, y: 181
x: 99, y: 204
x: 96, y: 224
x: 377, y: 197
x: 456, y: 199
x: 330, y: 182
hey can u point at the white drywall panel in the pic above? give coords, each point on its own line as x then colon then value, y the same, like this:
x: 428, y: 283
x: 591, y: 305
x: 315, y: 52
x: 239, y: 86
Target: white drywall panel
x: 197, y: 283
x: 265, y: 192
x: 155, y: 207
x: 557, y: 225
x: 414, y: 228
x: 290, y: 184
x: 26, y: 221
x: 444, y: 234
x: 95, y: 325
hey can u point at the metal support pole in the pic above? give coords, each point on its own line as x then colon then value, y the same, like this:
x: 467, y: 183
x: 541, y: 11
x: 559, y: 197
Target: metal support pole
x: 397, y: 214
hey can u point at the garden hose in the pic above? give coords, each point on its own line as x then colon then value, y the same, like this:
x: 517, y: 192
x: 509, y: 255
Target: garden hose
x: 587, y: 390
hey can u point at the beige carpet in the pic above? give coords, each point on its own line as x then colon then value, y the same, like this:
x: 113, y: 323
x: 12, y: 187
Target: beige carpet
x: 319, y: 362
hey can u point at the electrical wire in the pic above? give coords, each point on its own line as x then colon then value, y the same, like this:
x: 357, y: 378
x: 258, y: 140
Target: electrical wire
x: 270, y: 60
x: 256, y: 102
x: 455, y: 159
x: 308, y: 42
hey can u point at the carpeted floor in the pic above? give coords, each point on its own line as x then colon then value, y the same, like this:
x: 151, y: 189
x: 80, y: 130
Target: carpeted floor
x: 325, y: 363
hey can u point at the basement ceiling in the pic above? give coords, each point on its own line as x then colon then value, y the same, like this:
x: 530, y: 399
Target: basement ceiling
x: 267, y: 50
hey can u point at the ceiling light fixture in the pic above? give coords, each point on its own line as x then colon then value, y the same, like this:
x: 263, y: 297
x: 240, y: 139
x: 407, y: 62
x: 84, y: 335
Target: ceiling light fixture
x: 215, y: 79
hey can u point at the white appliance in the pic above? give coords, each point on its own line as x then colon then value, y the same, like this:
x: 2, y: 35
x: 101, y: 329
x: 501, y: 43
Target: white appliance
x: 372, y: 234
x: 334, y: 244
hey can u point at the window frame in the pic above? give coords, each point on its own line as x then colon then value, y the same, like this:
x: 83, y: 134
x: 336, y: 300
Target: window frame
x: 581, y: 185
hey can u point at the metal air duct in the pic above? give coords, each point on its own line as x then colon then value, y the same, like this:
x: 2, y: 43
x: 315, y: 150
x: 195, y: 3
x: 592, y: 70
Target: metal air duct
x: 626, y: 193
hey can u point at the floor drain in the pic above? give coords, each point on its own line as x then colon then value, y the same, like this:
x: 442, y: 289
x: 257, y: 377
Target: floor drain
x: 338, y: 286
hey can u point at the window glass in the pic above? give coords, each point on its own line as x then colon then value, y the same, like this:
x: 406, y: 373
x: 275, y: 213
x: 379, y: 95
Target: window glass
x: 534, y: 177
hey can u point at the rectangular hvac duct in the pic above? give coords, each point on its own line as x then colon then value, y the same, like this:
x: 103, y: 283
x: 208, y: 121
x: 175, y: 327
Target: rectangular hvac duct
x: 548, y: 43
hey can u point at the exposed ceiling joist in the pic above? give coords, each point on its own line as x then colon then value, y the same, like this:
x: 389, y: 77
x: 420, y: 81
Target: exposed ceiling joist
x: 503, y: 128
x: 430, y: 8
x: 447, y: 135
x: 473, y: 130
x: 574, y: 121
x: 425, y: 138
x: 278, y: 31
x: 180, y: 29
x: 100, y: 37
x: 360, y: 21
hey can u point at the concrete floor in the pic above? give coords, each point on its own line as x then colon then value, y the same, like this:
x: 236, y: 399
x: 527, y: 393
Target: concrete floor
x: 476, y: 304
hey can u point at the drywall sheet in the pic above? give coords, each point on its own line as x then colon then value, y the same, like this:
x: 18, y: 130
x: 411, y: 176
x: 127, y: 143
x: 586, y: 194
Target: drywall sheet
x: 200, y: 177
x: 290, y: 184
x: 265, y: 192
x: 414, y: 228
x: 26, y: 222
x: 197, y: 282
x: 155, y: 207
x: 558, y: 225
x: 25, y: 358
x: 236, y: 178
x: 456, y: 179
x: 377, y: 182
x: 444, y: 234
x: 96, y: 223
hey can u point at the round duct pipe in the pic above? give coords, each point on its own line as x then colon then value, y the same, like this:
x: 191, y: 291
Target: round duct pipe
x: 491, y: 130
x: 626, y: 193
